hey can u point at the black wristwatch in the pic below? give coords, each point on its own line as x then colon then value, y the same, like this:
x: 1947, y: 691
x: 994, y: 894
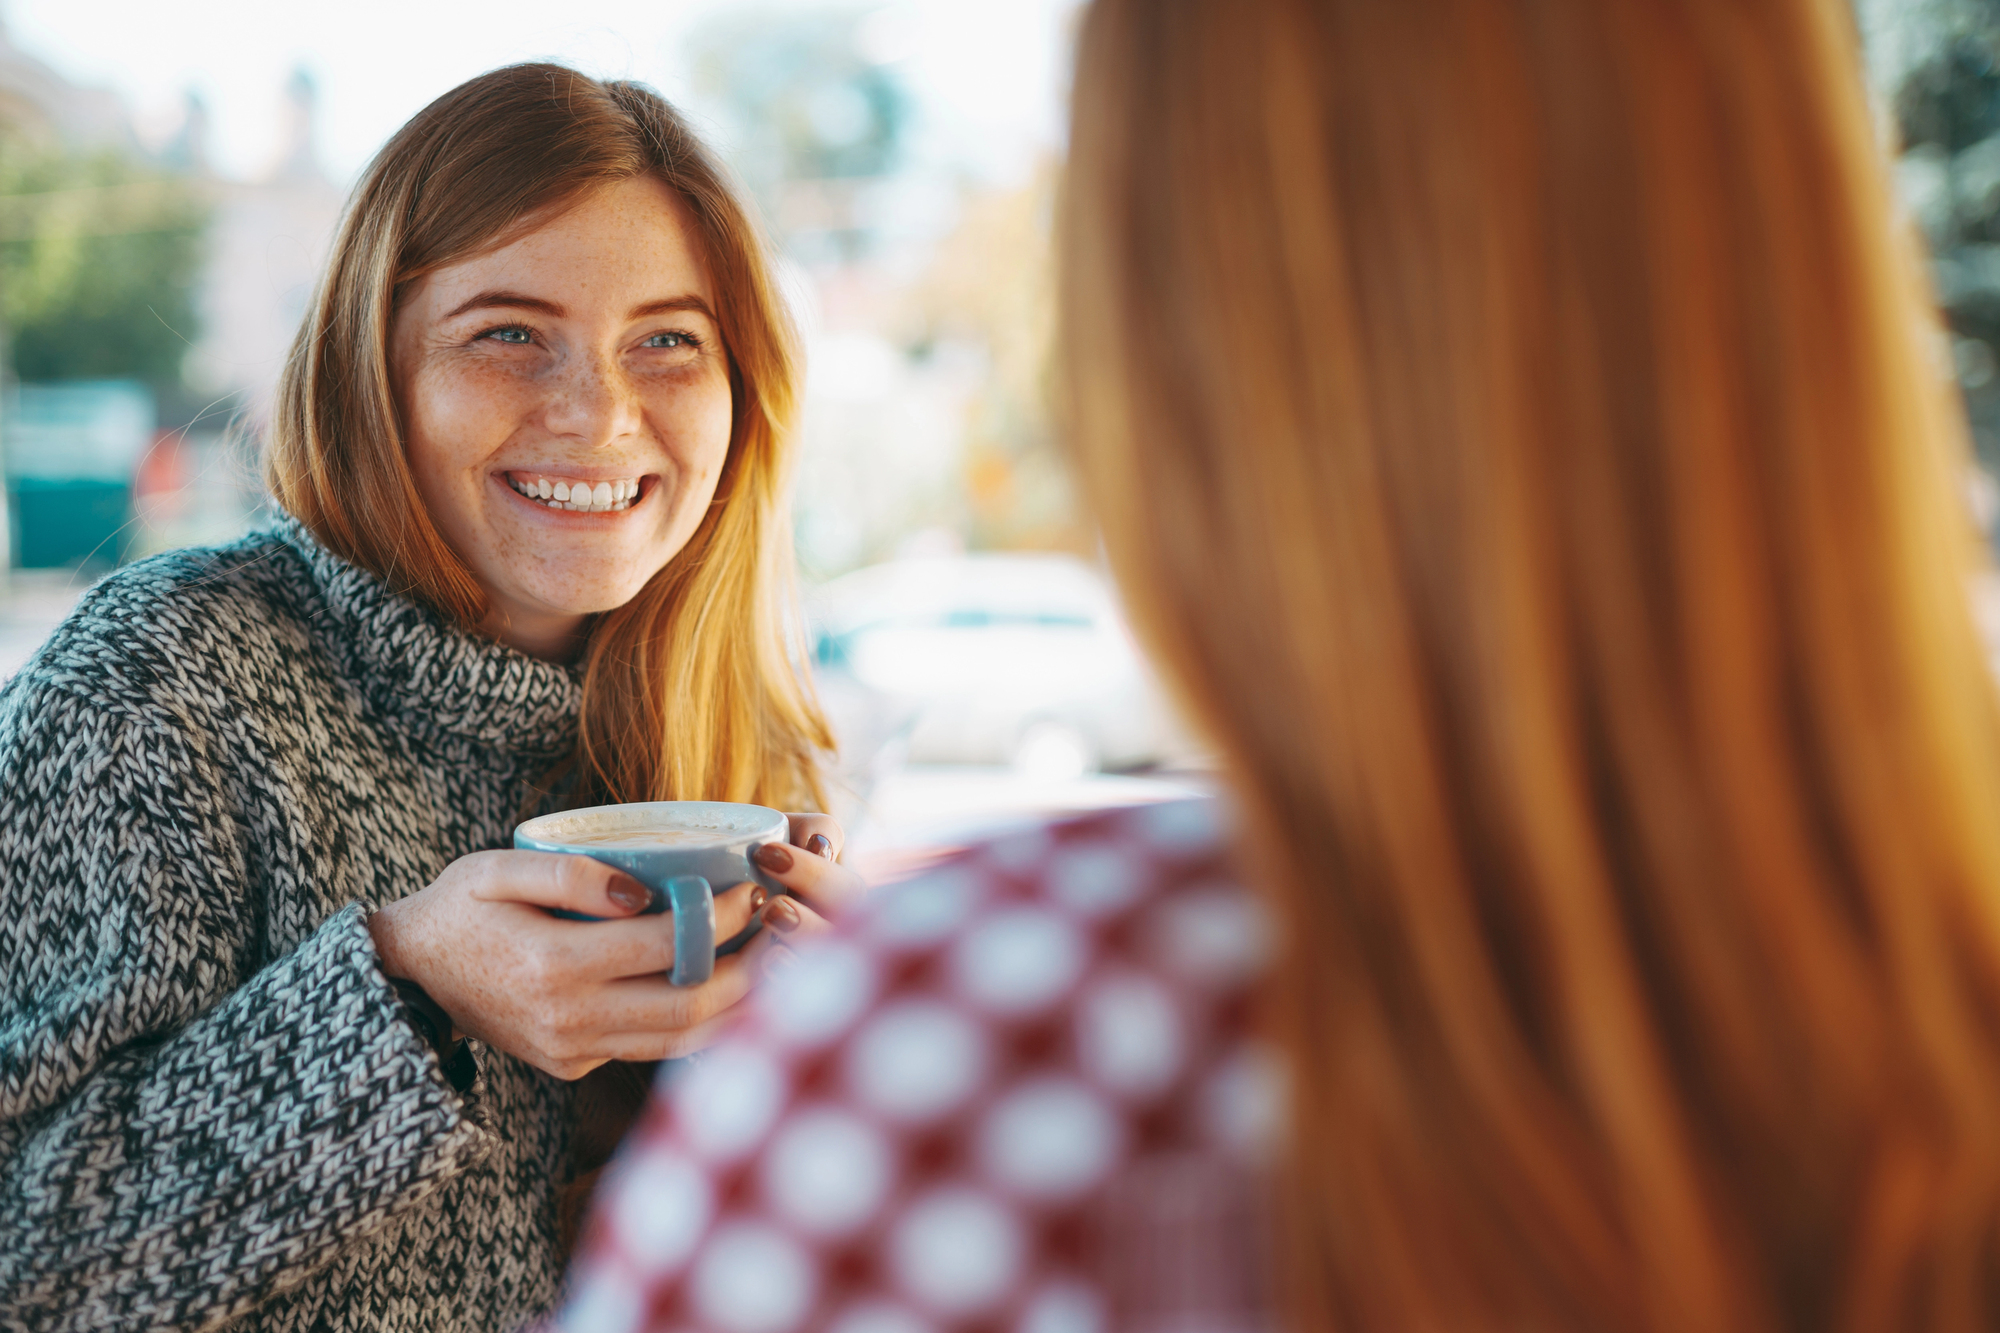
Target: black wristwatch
x: 434, y: 1025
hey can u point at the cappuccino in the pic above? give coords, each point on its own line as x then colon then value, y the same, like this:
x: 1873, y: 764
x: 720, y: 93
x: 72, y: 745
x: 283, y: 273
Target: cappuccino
x: 636, y: 838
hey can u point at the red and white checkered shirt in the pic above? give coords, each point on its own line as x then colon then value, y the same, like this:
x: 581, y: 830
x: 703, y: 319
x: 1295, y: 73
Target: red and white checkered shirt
x: 1018, y: 1092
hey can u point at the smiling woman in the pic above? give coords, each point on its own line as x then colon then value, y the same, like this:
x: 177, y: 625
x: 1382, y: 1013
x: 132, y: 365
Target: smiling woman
x: 289, y: 1037
x: 535, y: 289
x: 524, y: 410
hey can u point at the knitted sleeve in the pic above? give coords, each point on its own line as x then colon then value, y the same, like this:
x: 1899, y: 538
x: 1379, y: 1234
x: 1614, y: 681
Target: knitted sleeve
x: 183, y: 1134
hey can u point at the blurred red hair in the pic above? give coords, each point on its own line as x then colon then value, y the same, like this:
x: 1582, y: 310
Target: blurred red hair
x: 1516, y: 427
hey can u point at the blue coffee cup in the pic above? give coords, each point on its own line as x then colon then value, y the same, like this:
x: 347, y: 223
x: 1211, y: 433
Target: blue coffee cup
x: 683, y: 851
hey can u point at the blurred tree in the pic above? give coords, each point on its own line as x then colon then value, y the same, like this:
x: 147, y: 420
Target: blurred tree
x: 989, y: 287
x: 99, y: 259
x: 1936, y: 65
x: 803, y: 96
x: 811, y: 115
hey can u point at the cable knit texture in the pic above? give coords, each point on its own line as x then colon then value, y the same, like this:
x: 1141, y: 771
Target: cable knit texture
x: 212, y: 1110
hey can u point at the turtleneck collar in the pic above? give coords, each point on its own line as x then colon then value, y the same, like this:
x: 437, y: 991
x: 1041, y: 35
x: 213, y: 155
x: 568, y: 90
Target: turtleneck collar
x: 415, y: 665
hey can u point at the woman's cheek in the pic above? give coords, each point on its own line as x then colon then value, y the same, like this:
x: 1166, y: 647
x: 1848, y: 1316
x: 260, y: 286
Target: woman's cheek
x: 695, y: 416
x: 472, y: 408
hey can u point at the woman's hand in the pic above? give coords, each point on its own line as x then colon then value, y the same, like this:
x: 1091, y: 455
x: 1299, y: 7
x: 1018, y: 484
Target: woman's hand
x: 820, y: 887
x: 565, y: 996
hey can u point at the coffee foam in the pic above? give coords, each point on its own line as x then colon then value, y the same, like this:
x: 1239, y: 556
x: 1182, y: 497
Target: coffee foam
x: 635, y: 828
x: 641, y: 838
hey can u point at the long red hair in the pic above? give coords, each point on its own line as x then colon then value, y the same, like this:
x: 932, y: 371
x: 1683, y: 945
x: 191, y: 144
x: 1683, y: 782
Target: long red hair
x: 1518, y: 428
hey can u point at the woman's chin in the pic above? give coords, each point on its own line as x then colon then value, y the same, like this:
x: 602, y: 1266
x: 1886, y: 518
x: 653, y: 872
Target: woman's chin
x: 589, y: 601
x: 586, y: 586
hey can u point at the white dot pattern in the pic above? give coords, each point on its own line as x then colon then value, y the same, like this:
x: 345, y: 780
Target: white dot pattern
x: 1128, y: 1034
x: 729, y: 1099
x: 753, y: 1279
x: 1049, y: 1138
x: 1018, y: 961
x: 827, y: 1171
x: 820, y: 996
x: 1094, y: 879
x: 924, y: 1125
x: 922, y: 911
x: 878, y: 1316
x: 1213, y: 936
x: 607, y: 1302
x: 916, y: 1061
x: 1063, y: 1305
x: 956, y: 1251
x: 664, y: 1204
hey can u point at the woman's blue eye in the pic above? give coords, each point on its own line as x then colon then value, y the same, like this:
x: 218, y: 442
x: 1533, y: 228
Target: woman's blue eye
x: 670, y: 340
x: 513, y: 334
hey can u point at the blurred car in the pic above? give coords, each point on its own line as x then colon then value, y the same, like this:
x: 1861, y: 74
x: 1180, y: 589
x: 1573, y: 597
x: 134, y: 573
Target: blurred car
x: 1021, y: 660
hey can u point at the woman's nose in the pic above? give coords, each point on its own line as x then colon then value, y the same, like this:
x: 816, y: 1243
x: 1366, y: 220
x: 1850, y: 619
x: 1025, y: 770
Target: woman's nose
x: 593, y: 402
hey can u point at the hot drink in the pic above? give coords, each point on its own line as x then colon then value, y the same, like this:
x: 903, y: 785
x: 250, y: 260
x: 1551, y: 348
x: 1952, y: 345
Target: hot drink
x: 635, y: 838
x: 685, y: 851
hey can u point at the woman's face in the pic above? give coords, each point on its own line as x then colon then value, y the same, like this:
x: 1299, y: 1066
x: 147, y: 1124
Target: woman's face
x: 583, y: 361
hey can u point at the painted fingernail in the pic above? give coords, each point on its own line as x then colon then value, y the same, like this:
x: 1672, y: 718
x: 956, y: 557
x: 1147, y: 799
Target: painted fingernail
x: 820, y: 845
x: 629, y: 894
x: 774, y: 857
x: 782, y: 916
x: 758, y: 897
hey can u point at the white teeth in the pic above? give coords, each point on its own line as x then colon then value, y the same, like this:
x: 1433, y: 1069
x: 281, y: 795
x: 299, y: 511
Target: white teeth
x: 583, y: 497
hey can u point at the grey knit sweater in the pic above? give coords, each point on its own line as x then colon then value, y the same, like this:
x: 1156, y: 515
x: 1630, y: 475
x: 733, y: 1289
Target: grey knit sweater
x: 212, y: 1110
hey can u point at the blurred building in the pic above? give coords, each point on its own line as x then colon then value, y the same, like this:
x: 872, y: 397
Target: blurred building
x: 267, y: 242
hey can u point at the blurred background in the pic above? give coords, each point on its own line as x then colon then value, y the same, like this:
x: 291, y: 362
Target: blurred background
x: 170, y: 175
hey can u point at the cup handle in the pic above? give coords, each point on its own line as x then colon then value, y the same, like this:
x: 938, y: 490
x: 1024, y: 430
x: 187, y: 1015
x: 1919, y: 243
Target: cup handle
x: 693, y: 904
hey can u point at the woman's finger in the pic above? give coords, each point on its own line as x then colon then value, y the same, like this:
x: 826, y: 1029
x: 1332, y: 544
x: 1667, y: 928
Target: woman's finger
x: 736, y: 907
x: 819, y: 834
x: 791, y: 922
x: 827, y: 886
x: 644, y: 946
x: 649, y: 1046
x: 552, y: 879
x: 653, y: 1004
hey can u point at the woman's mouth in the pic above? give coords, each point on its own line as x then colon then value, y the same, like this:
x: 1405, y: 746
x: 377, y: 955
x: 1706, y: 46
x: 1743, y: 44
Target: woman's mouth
x: 575, y: 494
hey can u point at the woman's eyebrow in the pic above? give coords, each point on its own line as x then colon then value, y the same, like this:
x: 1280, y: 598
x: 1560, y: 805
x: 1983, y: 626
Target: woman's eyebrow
x: 505, y: 300
x: 671, y: 304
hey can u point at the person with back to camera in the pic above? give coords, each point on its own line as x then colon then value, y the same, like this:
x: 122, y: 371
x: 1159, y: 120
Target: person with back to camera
x: 1517, y: 432
x: 285, y: 1042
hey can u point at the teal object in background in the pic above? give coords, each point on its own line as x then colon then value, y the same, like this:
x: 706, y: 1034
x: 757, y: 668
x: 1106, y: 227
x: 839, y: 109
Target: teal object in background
x: 70, y: 451
x: 60, y: 524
